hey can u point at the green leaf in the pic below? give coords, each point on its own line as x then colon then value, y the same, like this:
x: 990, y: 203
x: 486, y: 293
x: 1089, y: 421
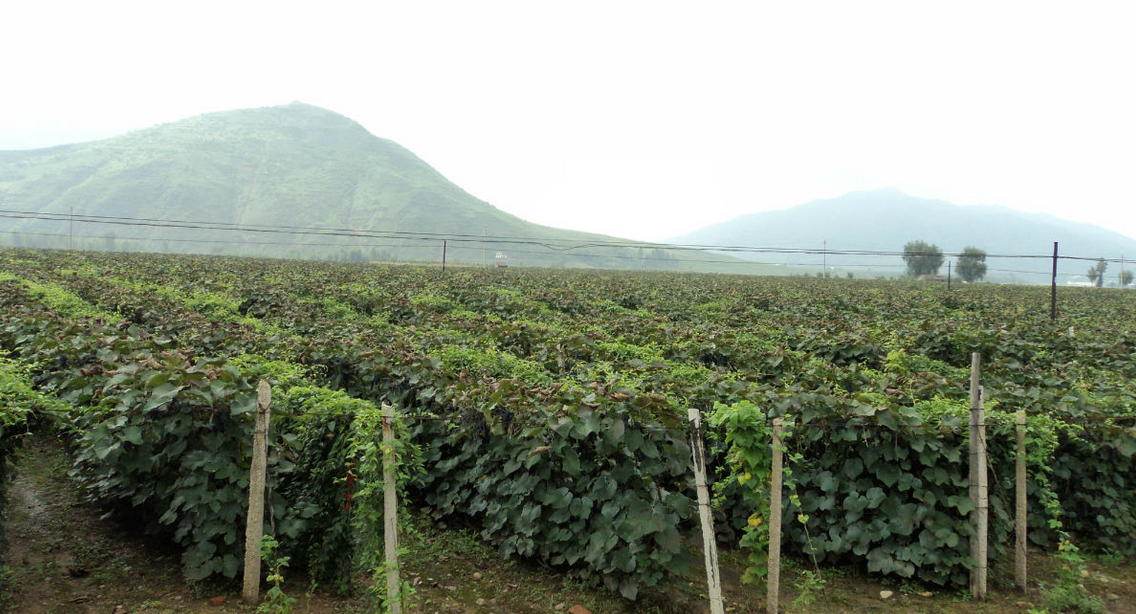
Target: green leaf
x: 614, y: 433
x: 133, y: 434
x: 161, y: 396
x: 852, y: 468
x: 963, y: 504
x: 571, y: 462
x: 887, y: 420
x: 874, y: 496
x: 888, y: 473
x: 581, y: 507
x: 629, y: 587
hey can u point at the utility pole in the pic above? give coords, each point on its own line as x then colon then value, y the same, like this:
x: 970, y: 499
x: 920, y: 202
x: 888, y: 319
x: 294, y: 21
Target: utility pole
x: 71, y: 234
x: 948, y: 276
x: 443, y: 255
x: 1053, y: 288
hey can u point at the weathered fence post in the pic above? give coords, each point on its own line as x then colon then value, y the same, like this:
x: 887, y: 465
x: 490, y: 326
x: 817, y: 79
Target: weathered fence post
x: 978, y: 487
x: 773, y: 583
x: 1020, y: 511
x: 709, y: 544
x: 390, y: 512
x: 254, y: 527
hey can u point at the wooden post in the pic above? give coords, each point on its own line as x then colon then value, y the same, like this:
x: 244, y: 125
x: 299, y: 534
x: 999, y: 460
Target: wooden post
x: 443, y: 255
x: 390, y: 512
x: 254, y: 527
x: 1020, y: 513
x: 773, y: 584
x: 978, y: 492
x: 983, y: 507
x: 709, y: 544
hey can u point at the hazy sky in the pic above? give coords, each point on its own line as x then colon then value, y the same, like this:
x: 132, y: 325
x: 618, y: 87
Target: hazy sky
x: 637, y: 119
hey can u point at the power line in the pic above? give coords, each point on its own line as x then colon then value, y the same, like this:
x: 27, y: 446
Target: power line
x: 552, y: 244
x: 373, y: 244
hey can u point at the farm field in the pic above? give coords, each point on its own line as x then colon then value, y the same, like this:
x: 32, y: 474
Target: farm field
x: 544, y: 412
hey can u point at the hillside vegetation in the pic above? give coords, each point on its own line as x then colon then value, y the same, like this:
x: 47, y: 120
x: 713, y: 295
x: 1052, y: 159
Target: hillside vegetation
x: 297, y: 166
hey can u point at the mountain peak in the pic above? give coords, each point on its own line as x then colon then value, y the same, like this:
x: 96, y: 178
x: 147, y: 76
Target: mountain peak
x: 294, y: 165
x: 885, y: 219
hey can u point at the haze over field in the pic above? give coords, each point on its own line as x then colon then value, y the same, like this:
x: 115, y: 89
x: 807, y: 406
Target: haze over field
x: 303, y: 182
x: 639, y: 120
x: 1019, y: 245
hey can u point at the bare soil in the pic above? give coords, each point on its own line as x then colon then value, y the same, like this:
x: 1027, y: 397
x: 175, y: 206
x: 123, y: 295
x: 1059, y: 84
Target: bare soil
x: 65, y: 558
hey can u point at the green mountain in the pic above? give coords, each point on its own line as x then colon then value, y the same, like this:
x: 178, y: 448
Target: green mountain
x: 294, y: 166
x: 884, y: 220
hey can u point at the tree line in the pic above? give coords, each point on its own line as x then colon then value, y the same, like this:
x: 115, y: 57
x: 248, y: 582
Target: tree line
x: 924, y: 258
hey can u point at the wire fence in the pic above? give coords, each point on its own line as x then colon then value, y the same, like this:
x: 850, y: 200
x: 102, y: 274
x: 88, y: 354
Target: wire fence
x: 426, y: 246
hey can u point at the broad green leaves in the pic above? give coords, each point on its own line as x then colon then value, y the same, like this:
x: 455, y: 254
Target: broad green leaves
x: 538, y: 381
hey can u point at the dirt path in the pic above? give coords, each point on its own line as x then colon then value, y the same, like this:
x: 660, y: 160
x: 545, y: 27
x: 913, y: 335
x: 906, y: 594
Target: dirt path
x: 66, y: 559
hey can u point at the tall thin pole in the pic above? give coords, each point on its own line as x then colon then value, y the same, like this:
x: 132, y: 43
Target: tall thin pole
x: 1020, y: 527
x: 978, y: 494
x: 709, y: 544
x: 948, y: 276
x: 824, y: 261
x: 773, y: 579
x: 71, y: 233
x: 443, y: 255
x: 390, y: 512
x: 1053, y: 288
x: 484, y: 247
x: 254, y: 526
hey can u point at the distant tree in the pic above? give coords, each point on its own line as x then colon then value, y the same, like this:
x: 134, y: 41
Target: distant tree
x: 972, y: 264
x: 1096, y: 274
x: 1125, y: 278
x: 922, y: 258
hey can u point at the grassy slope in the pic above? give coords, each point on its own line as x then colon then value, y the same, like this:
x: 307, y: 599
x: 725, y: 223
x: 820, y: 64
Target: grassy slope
x: 294, y: 165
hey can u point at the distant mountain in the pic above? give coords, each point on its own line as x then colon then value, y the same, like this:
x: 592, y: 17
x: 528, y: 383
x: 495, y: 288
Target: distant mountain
x: 294, y: 165
x: 886, y: 219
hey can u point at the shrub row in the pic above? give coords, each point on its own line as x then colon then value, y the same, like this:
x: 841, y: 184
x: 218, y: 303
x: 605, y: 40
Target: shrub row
x: 543, y: 389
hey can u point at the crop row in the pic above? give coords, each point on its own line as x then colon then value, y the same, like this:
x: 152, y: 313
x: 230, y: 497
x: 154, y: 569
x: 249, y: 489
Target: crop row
x: 562, y: 396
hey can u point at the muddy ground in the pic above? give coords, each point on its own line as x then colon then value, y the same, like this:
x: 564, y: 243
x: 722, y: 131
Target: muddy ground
x: 64, y: 558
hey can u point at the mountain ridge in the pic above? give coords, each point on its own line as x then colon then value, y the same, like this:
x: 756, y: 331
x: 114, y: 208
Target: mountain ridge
x: 299, y: 163
x: 885, y: 219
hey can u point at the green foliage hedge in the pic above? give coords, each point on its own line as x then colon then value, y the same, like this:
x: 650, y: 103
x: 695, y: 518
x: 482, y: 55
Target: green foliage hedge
x: 21, y: 408
x: 167, y: 439
x: 529, y: 394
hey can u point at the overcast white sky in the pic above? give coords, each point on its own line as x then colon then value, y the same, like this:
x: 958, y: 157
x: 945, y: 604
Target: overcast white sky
x: 637, y: 119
